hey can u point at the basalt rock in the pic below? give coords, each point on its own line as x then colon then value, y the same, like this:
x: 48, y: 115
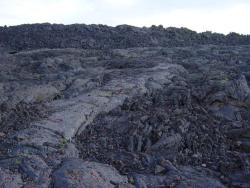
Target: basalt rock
x: 76, y: 173
x: 98, y: 106
x: 46, y: 35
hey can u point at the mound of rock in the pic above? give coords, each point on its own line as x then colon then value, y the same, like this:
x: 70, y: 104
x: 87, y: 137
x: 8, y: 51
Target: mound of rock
x: 111, y: 116
x: 36, y: 36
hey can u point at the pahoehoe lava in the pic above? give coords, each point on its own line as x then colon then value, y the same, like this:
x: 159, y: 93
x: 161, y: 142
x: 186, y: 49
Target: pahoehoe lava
x: 123, y: 107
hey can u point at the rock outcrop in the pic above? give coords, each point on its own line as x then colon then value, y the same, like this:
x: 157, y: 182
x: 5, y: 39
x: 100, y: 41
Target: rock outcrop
x: 100, y: 114
x: 83, y: 36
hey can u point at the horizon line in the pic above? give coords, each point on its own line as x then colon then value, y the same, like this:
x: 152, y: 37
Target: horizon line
x: 141, y: 27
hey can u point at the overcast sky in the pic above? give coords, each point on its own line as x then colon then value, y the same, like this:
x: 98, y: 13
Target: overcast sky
x: 222, y: 16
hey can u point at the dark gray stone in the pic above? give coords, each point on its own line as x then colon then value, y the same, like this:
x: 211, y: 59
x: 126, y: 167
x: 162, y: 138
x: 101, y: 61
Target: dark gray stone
x: 227, y: 112
x: 38, y: 137
x: 142, y: 110
x: 184, y: 177
x: 122, y: 36
x: 79, y: 174
x: 9, y: 179
x: 238, y: 89
x: 34, y: 168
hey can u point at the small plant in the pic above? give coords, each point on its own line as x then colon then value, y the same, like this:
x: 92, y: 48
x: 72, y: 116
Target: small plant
x: 224, y: 80
x: 18, y: 161
x: 39, y: 98
x: 63, y: 143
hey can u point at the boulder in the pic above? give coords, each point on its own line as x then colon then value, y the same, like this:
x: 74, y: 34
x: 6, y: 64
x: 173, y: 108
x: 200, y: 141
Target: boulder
x: 83, y: 174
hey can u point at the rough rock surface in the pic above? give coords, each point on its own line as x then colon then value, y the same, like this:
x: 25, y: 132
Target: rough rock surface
x: 46, y: 35
x: 76, y: 173
x: 8, y: 179
x: 79, y: 107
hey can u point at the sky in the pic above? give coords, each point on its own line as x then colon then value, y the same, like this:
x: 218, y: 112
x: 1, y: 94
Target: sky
x: 222, y: 16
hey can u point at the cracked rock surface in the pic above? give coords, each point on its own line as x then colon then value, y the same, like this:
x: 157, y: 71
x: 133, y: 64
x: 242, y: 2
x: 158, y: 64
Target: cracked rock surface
x: 148, y: 116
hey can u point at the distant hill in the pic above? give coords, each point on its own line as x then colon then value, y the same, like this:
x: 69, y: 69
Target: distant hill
x: 35, y: 36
